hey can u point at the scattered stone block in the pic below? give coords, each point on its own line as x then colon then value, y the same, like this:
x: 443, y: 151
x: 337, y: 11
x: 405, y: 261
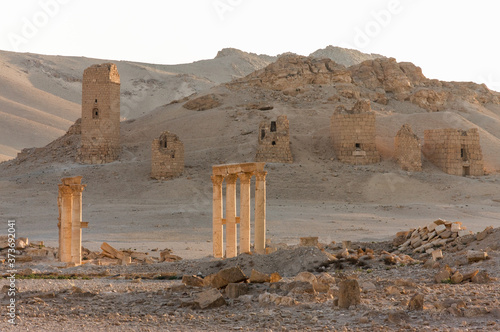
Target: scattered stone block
x: 191, y: 280
x: 440, y: 229
x: 437, y: 254
x: 481, y: 278
x: 476, y: 256
x: 21, y: 243
x: 367, y: 286
x: 346, y: 244
x: 455, y: 227
x: 306, y: 276
x: 225, y: 277
x: 442, y: 275
x: 482, y: 235
x: 275, y: 277
x: 470, y: 275
x: 257, y: 277
x: 208, y: 299
x: 416, y: 302
x: 310, y: 241
x: 457, y: 278
x: 300, y: 287
x: 235, y: 290
x: 349, y: 293
x: 446, y: 234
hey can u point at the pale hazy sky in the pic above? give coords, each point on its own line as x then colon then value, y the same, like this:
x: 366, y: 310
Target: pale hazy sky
x: 449, y: 39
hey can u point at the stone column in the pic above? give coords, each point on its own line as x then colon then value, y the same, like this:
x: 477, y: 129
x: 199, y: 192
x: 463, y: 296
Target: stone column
x: 260, y: 212
x: 76, y: 223
x: 65, y: 226
x: 245, y: 212
x: 231, y: 231
x: 217, y: 209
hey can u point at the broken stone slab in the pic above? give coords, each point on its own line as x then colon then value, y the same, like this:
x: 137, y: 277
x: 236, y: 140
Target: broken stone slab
x: 469, y: 275
x: 482, y: 235
x: 416, y: 302
x: 349, y: 293
x: 437, y: 254
x: 309, y: 241
x: 446, y: 234
x: 440, y: 229
x: 463, y: 232
x: 300, y: 287
x: 476, y: 256
x: 235, y: 290
x: 111, y: 252
x: 225, y: 277
x: 456, y: 278
x: 456, y: 226
x: 306, y: 276
x: 209, y: 299
x: 481, y: 278
x: 275, y: 277
x: 192, y: 280
x: 443, y: 275
x: 22, y: 243
x: 257, y: 277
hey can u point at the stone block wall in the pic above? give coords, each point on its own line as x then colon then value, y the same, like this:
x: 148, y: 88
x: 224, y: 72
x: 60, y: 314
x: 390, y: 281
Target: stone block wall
x: 455, y: 151
x: 353, y: 134
x: 274, y: 141
x: 100, y: 126
x: 408, y: 150
x: 167, y: 156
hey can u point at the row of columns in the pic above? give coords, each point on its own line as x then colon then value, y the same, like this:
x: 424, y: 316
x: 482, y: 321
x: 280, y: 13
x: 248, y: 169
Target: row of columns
x: 70, y: 220
x: 244, y: 219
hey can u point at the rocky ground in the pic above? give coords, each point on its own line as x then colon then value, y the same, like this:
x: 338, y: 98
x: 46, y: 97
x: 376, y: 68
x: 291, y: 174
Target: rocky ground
x: 293, y: 288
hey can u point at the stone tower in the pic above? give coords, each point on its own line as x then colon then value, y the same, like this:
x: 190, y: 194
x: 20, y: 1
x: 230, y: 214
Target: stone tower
x: 455, y: 151
x: 274, y: 141
x: 353, y: 134
x: 167, y: 156
x: 100, y: 141
x: 408, y: 150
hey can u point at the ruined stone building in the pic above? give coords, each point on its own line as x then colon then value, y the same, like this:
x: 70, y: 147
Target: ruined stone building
x: 353, y: 134
x: 100, y: 127
x: 455, y: 151
x: 408, y: 150
x: 167, y: 156
x: 274, y: 141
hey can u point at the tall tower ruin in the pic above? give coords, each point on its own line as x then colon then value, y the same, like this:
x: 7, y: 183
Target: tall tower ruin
x: 274, y: 141
x: 100, y: 138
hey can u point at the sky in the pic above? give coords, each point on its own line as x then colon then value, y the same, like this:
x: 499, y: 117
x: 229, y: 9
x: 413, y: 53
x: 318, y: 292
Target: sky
x: 452, y: 40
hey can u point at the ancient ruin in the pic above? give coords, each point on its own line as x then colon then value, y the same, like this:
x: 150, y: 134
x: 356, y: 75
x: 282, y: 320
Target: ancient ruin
x: 408, y: 150
x: 100, y: 138
x: 455, y: 151
x: 274, y: 141
x: 167, y: 156
x: 231, y: 173
x: 353, y: 134
x: 70, y: 223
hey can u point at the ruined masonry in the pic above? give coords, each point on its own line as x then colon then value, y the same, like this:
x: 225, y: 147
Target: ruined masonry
x: 274, y: 141
x: 167, y: 156
x: 353, y: 134
x: 455, y: 151
x: 408, y: 150
x: 70, y: 223
x: 231, y: 173
x: 100, y: 138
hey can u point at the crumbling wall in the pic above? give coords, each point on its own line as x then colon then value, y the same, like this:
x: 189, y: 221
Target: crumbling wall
x: 408, y: 150
x: 455, y: 151
x: 167, y: 156
x: 274, y: 141
x: 353, y: 134
x: 100, y: 126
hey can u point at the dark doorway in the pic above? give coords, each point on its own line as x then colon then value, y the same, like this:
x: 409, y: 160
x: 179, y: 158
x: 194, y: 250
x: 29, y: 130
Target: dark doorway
x: 466, y: 171
x: 273, y: 126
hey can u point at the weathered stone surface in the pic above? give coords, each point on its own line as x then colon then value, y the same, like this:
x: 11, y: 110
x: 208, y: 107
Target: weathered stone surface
x: 208, y: 299
x: 167, y: 156
x: 235, y: 290
x: 476, y: 256
x: 257, y: 277
x: 306, y: 276
x: 430, y: 100
x: 481, y: 278
x: 407, y: 152
x: 456, y: 278
x: 437, y: 254
x: 194, y: 281
x: 309, y: 241
x: 416, y: 302
x: 442, y: 275
x: 275, y: 277
x: 225, y: 277
x: 274, y: 141
x: 204, y: 103
x: 349, y: 293
x: 482, y: 235
x: 300, y: 287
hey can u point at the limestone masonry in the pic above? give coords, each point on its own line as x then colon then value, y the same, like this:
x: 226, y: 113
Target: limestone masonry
x: 274, y: 141
x: 455, y: 151
x: 408, y: 150
x: 100, y: 139
x: 70, y: 223
x: 167, y: 156
x: 353, y: 134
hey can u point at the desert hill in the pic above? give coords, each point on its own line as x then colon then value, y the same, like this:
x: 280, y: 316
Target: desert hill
x: 40, y: 95
x: 126, y: 207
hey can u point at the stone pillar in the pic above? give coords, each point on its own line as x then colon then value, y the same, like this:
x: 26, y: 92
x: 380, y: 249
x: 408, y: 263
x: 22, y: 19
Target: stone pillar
x: 245, y: 212
x: 217, y: 213
x: 65, y: 201
x: 76, y: 224
x: 231, y: 231
x: 260, y: 212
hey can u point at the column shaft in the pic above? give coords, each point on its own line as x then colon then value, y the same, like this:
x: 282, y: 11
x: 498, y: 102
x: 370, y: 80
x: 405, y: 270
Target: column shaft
x: 245, y: 212
x: 65, y: 228
x: 260, y: 213
x: 217, y: 212
x: 231, y: 230
x: 76, y: 225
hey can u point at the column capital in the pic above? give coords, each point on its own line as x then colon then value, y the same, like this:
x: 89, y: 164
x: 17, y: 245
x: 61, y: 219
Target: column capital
x: 77, y: 188
x: 231, y: 178
x: 260, y: 175
x: 245, y: 177
x: 217, y: 180
x: 65, y: 190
